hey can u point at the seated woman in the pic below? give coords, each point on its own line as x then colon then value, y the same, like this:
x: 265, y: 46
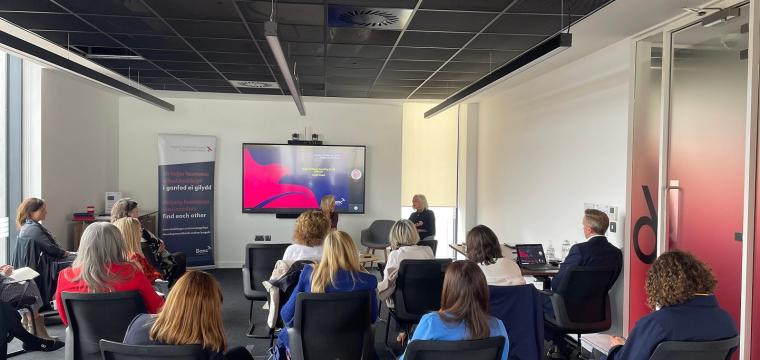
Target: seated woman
x: 422, y: 217
x: 484, y: 249
x: 130, y: 232
x: 327, y: 204
x: 309, y: 234
x: 102, y: 266
x: 10, y: 326
x: 12, y: 292
x: 681, y: 287
x: 339, y: 271
x: 464, y: 309
x: 171, y: 265
x: 37, y: 248
x: 196, y: 293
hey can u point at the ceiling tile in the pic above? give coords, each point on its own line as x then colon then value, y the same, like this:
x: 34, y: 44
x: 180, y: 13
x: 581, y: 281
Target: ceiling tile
x: 250, y: 77
x: 427, y: 96
x: 382, y: 81
x: 30, y: 5
x: 305, y: 49
x: 504, y: 42
x: 223, y: 45
x: 413, y: 65
x: 352, y: 73
x: 144, y: 74
x: 261, y: 91
x: 214, y: 29
x: 528, y: 24
x: 355, y: 63
x: 363, y: 51
x: 234, y: 58
x: 106, y: 7
x: 470, y: 5
x: 184, y: 66
x: 207, y: 10
x: 302, y: 14
x: 486, y: 56
x: 408, y: 4
x: 458, y: 66
x: 125, y: 64
x: 78, y: 38
x: 170, y: 55
x: 436, y: 39
x: 296, y: 33
x: 216, y: 89
x: 406, y: 75
x: 196, y: 74
x: 410, y: 53
x: 205, y: 82
x: 307, y: 92
x: 443, y: 76
x: 243, y: 68
x: 153, y: 42
x: 577, y: 7
x: 170, y: 87
x: 450, y: 21
x: 362, y: 36
x: 42, y: 21
x: 125, y: 25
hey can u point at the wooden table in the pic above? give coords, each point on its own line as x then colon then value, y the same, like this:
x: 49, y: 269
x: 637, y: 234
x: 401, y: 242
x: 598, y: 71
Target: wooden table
x: 368, y: 258
x: 507, y: 251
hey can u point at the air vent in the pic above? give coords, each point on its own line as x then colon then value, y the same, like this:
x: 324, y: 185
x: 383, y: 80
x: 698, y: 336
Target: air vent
x: 255, y: 84
x: 107, y: 53
x: 368, y: 18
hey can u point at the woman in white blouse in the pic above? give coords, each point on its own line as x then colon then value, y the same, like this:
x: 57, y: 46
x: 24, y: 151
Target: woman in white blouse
x: 311, y: 228
x: 484, y: 249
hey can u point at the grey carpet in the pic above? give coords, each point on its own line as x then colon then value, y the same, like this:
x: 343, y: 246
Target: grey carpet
x: 235, y: 315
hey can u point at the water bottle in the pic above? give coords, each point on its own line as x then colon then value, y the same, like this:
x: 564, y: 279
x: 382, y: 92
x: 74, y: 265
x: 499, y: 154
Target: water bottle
x: 565, y: 248
x: 550, y: 252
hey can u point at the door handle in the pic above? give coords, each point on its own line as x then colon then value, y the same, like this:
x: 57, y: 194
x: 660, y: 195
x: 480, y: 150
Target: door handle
x: 674, y: 210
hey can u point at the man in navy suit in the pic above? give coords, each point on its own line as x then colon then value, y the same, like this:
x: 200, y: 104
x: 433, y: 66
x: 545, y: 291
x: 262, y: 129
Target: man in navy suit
x: 595, y: 251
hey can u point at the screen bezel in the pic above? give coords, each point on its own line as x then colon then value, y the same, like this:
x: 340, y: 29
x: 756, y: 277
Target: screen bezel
x: 291, y: 211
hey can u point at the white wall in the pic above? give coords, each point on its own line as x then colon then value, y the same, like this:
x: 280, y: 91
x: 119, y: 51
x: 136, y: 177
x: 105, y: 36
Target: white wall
x: 551, y: 144
x: 79, y: 148
x: 235, y: 119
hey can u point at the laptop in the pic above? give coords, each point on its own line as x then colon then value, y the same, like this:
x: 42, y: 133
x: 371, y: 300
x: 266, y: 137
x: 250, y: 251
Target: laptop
x: 532, y: 257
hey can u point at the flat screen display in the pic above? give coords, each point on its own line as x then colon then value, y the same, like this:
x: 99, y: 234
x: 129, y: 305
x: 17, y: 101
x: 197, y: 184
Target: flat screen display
x: 290, y: 179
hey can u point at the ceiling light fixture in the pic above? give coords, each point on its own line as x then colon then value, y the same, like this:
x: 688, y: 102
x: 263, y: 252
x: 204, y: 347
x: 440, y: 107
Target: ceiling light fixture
x: 270, y: 31
x: 537, y: 54
x: 114, y: 57
x: 721, y: 16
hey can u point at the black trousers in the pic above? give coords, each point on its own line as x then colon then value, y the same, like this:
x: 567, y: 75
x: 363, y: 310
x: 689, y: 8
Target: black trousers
x: 11, y: 326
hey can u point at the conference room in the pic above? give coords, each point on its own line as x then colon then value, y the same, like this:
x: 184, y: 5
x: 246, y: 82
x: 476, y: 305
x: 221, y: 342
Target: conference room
x: 385, y: 179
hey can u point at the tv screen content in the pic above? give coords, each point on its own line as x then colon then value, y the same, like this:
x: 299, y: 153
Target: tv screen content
x: 289, y: 179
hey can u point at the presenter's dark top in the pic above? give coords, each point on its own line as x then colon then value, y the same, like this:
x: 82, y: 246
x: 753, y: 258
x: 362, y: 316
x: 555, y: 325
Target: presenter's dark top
x: 428, y: 222
x: 334, y: 220
x: 596, y: 251
x: 138, y: 333
x: 699, y: 319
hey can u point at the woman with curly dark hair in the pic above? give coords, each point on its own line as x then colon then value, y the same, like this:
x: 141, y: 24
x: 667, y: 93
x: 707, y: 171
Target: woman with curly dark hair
x: 682, y: 288
x: 311, y: 228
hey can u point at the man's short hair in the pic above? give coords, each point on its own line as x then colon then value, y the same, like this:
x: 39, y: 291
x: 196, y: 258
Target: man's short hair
x: 596, y: 220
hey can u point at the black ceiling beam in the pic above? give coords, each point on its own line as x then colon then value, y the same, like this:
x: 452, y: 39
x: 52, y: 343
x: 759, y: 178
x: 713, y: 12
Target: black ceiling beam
x: 540, y: 52
x: 75, y: 67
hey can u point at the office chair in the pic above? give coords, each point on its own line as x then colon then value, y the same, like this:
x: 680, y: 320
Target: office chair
x: 111, y: 350
x: 259, y: 263
x: 418, y: 291
x: 581, y: 302
x: 332, y: 326
x: 96, y: 316
x: 429, y: 242
x: 376, y: 236
x: 696, y: 350
x: 520, y: 308
x: 482, y: 349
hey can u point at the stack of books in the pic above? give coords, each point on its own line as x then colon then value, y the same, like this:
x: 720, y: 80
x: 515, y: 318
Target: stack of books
x: 83, y: 216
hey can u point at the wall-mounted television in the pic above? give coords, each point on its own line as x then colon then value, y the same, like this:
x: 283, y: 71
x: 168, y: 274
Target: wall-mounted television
x: 289, y: 179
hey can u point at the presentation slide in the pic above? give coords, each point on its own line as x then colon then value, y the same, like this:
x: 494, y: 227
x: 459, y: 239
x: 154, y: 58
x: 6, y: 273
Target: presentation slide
x: 293, y: 178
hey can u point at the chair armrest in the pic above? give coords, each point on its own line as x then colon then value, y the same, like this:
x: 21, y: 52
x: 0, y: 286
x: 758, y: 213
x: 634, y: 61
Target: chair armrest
x: 545, y: 292
x: 247, y: 286
x: 295, y: 344
x: 365, y: 237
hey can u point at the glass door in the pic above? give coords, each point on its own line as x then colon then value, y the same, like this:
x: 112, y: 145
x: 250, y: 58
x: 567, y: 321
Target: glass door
x: 705, y: 157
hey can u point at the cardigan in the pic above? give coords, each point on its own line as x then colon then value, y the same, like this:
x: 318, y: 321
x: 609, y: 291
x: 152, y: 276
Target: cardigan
x: 698, y: 319
x: 432, y: 327
x: 129, y: 279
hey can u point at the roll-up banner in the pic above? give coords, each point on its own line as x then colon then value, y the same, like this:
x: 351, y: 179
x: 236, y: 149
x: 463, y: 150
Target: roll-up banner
x: 186, y: 196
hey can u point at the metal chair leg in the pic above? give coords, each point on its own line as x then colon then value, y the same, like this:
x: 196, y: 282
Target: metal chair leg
x: 250, y: 321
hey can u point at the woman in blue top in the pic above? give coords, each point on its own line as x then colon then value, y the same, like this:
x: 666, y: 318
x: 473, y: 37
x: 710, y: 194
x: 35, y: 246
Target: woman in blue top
x: 464, y: 309
x: 338, y: 271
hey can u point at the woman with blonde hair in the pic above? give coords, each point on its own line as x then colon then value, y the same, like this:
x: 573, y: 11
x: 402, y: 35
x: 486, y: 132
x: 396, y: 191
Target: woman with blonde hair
x: 130, y: 229
x: 192, y: 315
x: 422, y: 217
x: 308, y: 236
x: 327, y: 205
x: 338, y: 271
x: 102, y: 266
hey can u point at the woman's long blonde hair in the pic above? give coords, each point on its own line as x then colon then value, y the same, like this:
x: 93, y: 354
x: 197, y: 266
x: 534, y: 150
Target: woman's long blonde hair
x: 192, y: 314
x: 339, y: 252
x: 403, y: 233
x: 327, y: 204
x: 131, y: 231
x: 100, y: 246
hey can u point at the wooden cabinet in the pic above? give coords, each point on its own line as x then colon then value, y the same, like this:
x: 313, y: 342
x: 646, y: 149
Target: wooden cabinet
x: 147, y: 220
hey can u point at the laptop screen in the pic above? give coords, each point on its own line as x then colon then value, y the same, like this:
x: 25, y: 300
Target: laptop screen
x: 529, y: 254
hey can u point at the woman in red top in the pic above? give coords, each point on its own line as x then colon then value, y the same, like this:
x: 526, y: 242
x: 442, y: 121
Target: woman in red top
x: 101, y: 266
x: 131, y: 231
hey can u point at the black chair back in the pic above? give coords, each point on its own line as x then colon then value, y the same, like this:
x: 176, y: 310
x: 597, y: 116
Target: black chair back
x: 96, y: 316
x: 429, y: 242
x: 332, y: 326
x: 259, y: 262
x: 418, y: 288
x: 111, y: 350
x: 581, y: 301
x: 696, y: 350
x: 520, y: 308
x: 483, y: 349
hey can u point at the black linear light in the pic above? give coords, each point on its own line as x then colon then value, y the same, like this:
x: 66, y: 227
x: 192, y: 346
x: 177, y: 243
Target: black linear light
x: 270, y: 31
x: 539, y: 53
